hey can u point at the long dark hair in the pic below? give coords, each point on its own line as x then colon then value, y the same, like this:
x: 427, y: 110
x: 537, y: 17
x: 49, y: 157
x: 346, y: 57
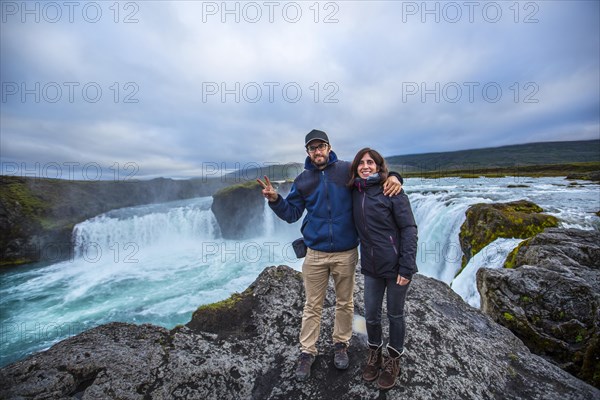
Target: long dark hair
x: 379, y: 160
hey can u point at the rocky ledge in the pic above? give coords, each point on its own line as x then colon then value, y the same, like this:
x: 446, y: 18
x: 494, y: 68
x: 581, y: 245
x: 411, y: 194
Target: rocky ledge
x: 551, y: 299
x: 246, y: 348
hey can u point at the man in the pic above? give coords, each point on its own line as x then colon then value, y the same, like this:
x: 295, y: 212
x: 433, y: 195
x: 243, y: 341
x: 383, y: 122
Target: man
x: 331, y: 239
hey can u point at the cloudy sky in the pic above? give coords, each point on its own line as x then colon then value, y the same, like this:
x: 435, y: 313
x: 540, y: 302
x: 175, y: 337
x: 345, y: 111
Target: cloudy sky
x: 176, y: 89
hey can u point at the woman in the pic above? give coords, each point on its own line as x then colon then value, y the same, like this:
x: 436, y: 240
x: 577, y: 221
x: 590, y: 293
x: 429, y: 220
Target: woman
x: 388, y: 247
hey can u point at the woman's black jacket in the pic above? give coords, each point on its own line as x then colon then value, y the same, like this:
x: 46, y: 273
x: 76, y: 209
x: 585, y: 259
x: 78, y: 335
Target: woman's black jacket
x: 387, y: 230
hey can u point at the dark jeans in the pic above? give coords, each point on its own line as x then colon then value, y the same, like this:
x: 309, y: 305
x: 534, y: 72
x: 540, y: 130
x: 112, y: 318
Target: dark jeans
x: 396, y: 295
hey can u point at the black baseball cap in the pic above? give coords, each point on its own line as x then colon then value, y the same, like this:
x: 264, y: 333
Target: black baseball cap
x: 316, y: 135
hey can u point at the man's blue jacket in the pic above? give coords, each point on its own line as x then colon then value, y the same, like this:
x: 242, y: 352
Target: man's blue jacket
x: 329, y: 224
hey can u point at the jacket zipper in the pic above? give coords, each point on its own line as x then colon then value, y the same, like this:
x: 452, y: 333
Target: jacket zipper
x: 328, y: 210
x: 393, y: 245
x: 366, y: 228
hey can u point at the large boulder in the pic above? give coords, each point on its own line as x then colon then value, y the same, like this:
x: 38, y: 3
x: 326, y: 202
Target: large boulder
x: 247, y: 346
x: 239, y: 210
x: 551, y: 299
x: 485, y: 223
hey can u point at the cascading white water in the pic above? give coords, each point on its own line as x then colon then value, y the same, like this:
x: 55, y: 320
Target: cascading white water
x: 491, y: 256
x: 157, y: 263
x: 167, y: 224
x: 269, y: 220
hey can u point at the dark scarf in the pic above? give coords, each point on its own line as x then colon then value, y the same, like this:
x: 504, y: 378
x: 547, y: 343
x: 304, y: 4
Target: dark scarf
x: 371, y: 180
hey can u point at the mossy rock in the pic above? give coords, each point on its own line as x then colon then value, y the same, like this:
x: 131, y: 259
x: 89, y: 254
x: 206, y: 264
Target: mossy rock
x: 249, y: 185
x: 511, y: 258
x: 487, y: 222
x: 231, y: 316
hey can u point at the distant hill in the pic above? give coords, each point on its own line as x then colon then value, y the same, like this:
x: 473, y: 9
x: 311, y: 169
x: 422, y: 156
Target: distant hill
x: 520, y: 155
x: 535, y: 159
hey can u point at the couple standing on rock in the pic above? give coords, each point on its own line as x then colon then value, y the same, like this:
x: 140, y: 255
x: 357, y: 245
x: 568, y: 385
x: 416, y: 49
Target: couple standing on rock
x: 341, y: 198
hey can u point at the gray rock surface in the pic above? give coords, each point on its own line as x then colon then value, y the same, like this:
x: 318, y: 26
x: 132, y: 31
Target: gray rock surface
x: 551, y: 300
x: 246, y: 348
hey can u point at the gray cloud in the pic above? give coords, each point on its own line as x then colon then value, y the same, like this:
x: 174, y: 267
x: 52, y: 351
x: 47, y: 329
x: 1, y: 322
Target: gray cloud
x: 179, y: 88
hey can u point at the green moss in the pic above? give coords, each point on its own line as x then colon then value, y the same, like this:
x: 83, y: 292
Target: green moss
x: 249, y: 185
x: 226, y: 304
x: 485, y: 223
x: 508, y: 316
x: 581, y: 335
x: 511, y: 258
x: 18, y: 192
x: 15, y: 262
x: 525, y: 299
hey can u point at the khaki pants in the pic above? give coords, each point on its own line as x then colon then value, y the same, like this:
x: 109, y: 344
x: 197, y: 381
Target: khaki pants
x: 315, y: 272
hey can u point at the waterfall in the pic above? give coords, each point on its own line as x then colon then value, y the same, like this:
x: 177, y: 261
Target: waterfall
x: 269, y: 220
x: 160, y: 262
x: 491, y: 256
x: 144, y: 226
x: 439, y: 217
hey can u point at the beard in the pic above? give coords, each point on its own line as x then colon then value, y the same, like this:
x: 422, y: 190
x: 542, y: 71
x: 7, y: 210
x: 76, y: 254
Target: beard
x: 320, y: 161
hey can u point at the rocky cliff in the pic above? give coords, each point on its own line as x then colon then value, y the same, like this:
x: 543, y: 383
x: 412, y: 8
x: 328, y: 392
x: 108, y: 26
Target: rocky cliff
x: 37, y: 215
x: 239, y: 208
x: 246, y: 348
x: 551, y: 299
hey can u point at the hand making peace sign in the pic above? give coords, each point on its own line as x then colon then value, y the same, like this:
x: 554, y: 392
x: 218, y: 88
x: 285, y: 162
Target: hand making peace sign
x: 268, y: 190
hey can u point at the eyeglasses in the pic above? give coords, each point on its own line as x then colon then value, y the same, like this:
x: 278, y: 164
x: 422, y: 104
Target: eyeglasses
x: 321, y: 147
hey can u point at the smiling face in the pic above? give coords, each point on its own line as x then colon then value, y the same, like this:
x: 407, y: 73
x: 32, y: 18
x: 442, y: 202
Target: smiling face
x: 366, y: 166
x: 318, y: 151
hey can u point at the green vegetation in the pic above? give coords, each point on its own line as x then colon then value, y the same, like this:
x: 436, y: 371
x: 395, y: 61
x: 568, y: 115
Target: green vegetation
x: 13, y: 191
x: 582, y: 170
x: 226, y: 304
x: 508, y: 316
x: 525, y: 299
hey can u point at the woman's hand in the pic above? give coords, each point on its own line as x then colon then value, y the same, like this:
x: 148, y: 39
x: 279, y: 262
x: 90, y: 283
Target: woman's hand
x: 402, y: 281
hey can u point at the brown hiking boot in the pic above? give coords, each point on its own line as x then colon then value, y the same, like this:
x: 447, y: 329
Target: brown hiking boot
x: 303, y: 369
x: 374, y: 362
x: 391, y: 369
